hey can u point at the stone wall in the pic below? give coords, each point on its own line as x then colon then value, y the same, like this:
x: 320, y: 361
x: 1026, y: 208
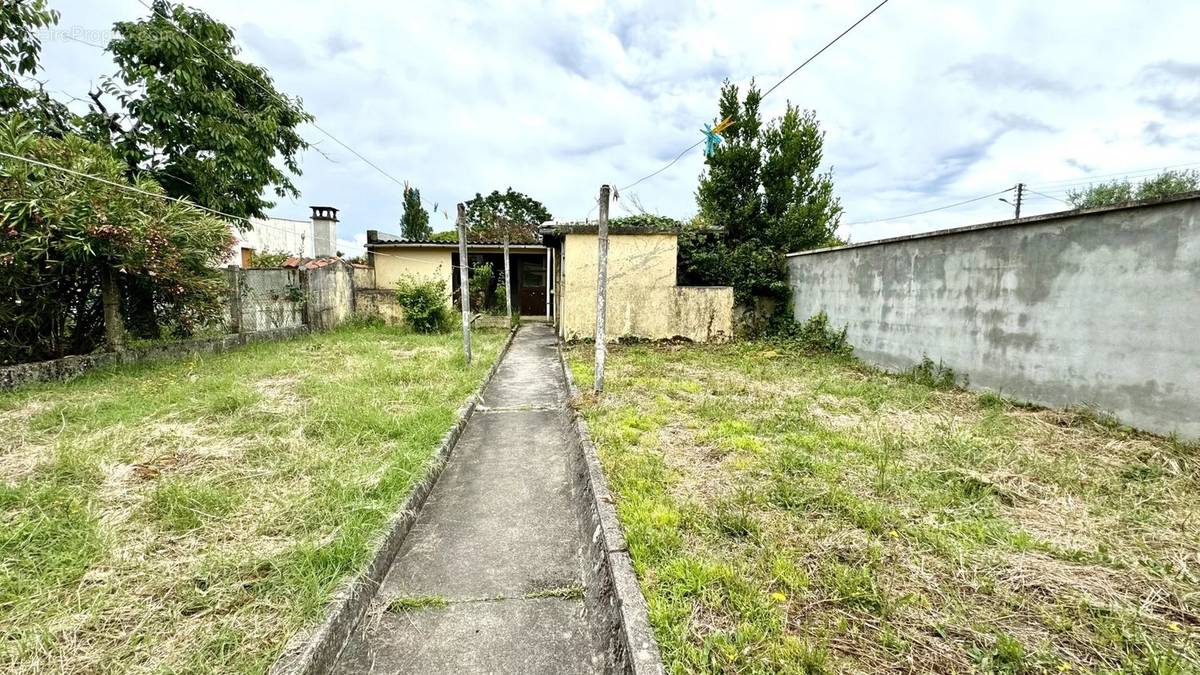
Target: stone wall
x: 1098, y: 307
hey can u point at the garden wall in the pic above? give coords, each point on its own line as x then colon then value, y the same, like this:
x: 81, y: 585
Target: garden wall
x: 1098, y: 307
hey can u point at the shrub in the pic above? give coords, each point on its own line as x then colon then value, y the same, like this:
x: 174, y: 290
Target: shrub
x: 814, y: 336
x: 424, y: 304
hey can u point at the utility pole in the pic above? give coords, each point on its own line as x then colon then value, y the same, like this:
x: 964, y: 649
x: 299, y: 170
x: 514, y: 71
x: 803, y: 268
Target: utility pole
x: 601, y: 288
x: 1020, y: 194
x: 463, y: 280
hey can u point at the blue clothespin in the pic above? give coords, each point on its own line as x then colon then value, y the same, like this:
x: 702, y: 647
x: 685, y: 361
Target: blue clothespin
x: 711, y: 140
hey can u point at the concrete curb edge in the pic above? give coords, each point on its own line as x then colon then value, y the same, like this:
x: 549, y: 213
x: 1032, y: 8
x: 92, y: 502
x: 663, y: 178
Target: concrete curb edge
x: 636, y: 635
x: 315, y: 650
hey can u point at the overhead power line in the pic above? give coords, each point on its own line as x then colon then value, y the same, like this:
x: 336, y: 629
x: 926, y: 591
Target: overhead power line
x: 766, y: 93
x: 939, y: 208
x: 275, y: 95
x: 1087, y: 180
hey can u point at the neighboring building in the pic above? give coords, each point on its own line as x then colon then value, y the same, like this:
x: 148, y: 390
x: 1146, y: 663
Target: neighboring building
x: 557, y: 280
x: 313, y: 238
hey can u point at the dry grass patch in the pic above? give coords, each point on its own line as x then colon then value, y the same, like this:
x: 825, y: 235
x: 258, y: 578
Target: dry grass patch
x: 790, y: 513
x: 191, y: 516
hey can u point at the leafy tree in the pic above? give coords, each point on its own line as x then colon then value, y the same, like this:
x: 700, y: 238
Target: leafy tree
x: 760, y: 197
x: 20, y: 49
x: 201, y: 123
x: 74, y: 251
x: 512, y: 213
x: 414, y: 224
x: 1165, y: 184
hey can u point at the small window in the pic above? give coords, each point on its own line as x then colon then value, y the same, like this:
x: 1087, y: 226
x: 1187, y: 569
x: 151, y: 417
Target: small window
x: 533, y: 276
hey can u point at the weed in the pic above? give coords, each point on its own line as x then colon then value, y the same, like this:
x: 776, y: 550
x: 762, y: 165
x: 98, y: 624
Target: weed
x: 564, y: 593
x: 406, y: 604
x: 934, y: 375
x: 183, y: 505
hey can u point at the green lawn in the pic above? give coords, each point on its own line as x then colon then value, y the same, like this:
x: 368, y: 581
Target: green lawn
x: 190, y: 516
x: 789, y: 513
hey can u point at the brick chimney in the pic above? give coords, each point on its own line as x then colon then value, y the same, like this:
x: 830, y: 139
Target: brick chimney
x: 324, y: 228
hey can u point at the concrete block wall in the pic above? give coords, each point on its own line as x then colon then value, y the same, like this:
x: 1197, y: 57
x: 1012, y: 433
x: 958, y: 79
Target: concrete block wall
x: 1098, y: 307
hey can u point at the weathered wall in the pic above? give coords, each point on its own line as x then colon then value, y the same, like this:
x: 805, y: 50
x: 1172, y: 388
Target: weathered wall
x: 390, y: 266
x: 328, y: 295
x: 71, y: 367
x: 364, y: 276
x: 264, y: 299
x: 378, y: 302
x: 643, y: 300
x: 1100, y: 308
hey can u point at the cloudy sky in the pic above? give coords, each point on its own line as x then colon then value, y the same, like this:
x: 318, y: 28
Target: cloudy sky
x: 927, y: 103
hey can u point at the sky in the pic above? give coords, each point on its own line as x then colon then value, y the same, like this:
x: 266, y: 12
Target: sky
x: 925, y: 104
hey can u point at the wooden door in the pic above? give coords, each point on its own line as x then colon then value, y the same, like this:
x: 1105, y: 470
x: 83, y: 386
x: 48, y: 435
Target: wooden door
x: 532, y: 287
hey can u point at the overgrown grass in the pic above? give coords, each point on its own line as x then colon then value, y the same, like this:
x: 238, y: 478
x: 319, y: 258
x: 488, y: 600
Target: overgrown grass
x: 807, y: 514
x: 190, y: 516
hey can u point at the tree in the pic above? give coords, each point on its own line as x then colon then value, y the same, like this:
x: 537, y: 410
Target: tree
x: 509, y: 217
x: 73, y: 251
x: 760, y: 197
x: 414, y: 224
x: 1165, y: 184
x: 20, y: 49
x: 512, y: 214
x: 183, y: 110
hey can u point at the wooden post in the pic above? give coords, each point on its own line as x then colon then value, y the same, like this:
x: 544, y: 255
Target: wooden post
x: 234, y: 276
x: 601, y: 288
x: 463, y: 280
x: 110, y: 298
x: 507, y: 278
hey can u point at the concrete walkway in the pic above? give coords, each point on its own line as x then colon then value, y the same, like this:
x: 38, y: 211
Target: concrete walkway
x: 491, y: 571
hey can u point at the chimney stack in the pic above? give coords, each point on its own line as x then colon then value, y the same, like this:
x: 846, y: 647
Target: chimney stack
x: 324, y: 227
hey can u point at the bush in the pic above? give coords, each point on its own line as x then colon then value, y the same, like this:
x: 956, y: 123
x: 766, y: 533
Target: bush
x: 424, y: 304
x: 813, y: 336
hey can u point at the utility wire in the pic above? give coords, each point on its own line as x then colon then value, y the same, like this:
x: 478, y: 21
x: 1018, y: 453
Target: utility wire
x: 275, y: 95
x: 1049, y: 197
x: 765, y: 94
x: 1086, y: 180
x: 939, y: 208
x: 177, y: 200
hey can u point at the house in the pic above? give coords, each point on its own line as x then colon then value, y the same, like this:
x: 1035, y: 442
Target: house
x: 313, y: 238
x: 556, y: 280
x: 394, y: 257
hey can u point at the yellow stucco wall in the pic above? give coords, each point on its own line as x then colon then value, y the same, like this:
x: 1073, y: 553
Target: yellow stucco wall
x: 643, y: 300
x: 393, y: 263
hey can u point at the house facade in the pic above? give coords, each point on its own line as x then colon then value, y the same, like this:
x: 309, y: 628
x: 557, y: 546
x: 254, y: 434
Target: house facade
x: 393, y: 258
x: 556, y: 281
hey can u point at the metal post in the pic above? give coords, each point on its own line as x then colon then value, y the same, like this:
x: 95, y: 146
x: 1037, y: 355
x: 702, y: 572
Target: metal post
x: 601, y: 288
x: 546, y: 271
x: 463, y: 280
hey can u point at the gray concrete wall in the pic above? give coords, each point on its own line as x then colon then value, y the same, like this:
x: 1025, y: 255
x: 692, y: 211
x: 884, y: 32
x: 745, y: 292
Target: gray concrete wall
x: 1099, y: 308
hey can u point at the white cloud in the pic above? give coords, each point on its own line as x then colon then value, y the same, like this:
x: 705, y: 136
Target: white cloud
x: 926, y: 103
